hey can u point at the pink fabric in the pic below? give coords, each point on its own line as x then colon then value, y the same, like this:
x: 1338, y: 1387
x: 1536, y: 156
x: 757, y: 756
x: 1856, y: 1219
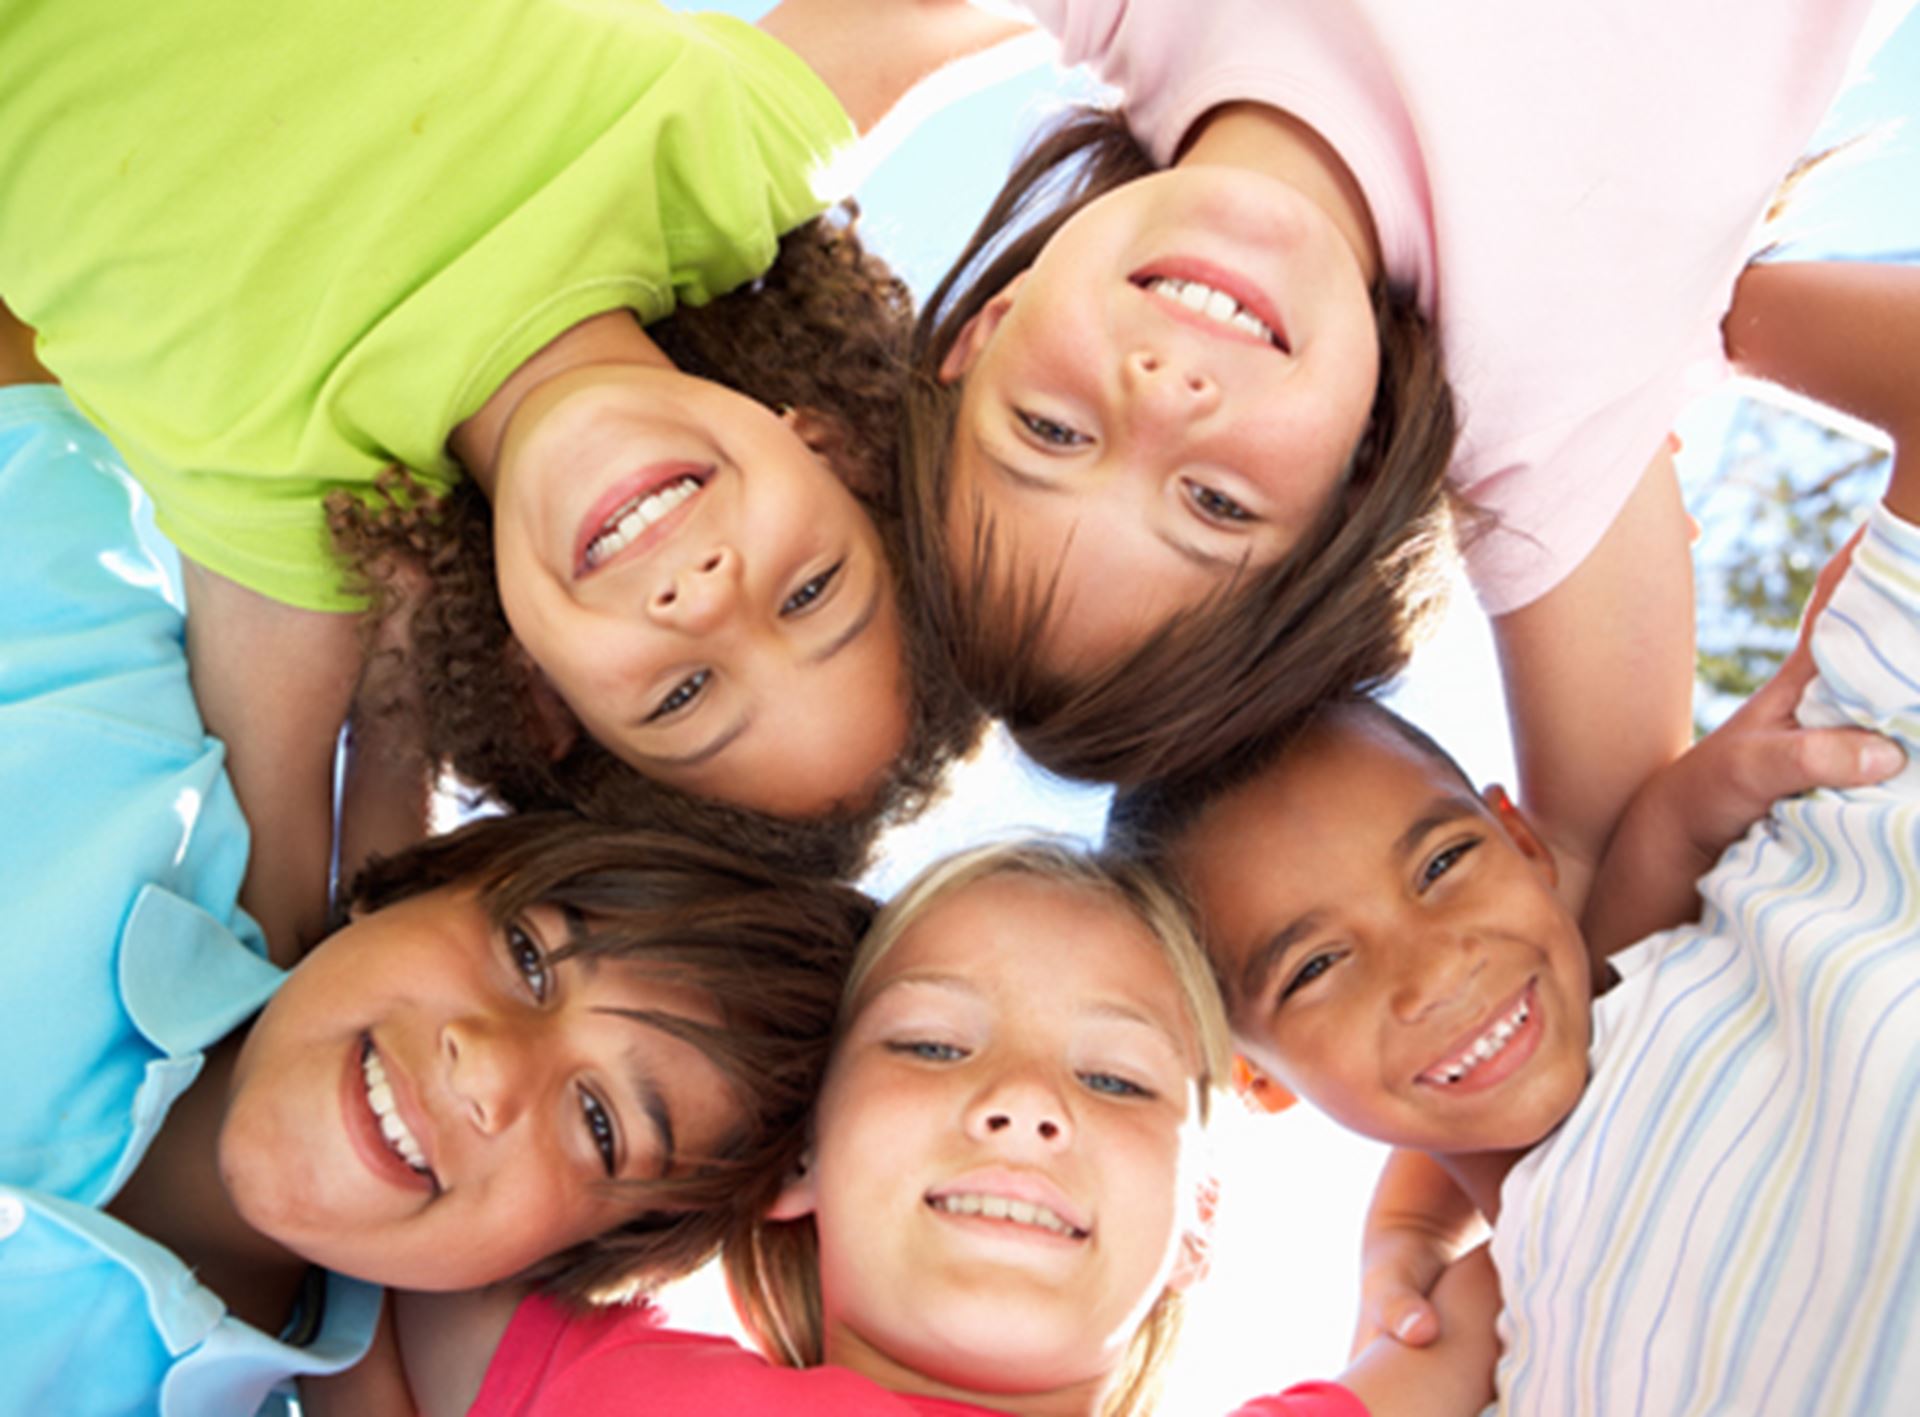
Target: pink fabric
x: 621, y: 1362
x: 1570, y: 189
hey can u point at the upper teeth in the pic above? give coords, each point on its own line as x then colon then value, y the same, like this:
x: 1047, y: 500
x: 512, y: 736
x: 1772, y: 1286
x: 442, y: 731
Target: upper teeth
x: 1483, y: 1047
x: 380, y: 1098
x: 1005, y: 1208
x: 1214, y: 303
x: 636, y: 516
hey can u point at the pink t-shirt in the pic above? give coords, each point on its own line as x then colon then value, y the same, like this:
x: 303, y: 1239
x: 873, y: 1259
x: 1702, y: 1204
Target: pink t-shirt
x: 1570, y: 190
x: 620, y: 1362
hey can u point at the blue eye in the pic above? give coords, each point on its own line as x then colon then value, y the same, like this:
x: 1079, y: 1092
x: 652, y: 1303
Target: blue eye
x: 600, y: 1129
x: 1113, y: 1085
x: 811, y: 591
x: 529, y: 962
x: 1050, y: 431
x: 682, y: 694
x: 1216, y: 506
x: 1445, y: 860
x: 927, y: 1050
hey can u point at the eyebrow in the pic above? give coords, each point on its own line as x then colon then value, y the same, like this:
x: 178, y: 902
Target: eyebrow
x: 1267, y: 960
x: 1199, y: 556
x: 711, y: 749
x: 1448, y: 808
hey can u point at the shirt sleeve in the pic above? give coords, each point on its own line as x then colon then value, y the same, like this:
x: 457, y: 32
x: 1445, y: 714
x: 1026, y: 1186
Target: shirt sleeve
x: 1867, y: 641
x: 1306, y: 1400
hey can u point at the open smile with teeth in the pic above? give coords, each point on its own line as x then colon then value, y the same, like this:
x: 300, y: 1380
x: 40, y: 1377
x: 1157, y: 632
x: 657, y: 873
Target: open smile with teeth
x: 633, y: 517
x: 1488, y: 1045
x: 380, y: 1099
x: 1215, y: 304
x: 1014, y: 1212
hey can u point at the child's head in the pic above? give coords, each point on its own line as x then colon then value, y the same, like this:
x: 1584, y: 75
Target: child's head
x: 1389, y: 941
x: 1004, y: 1187
x: 1176, y: 382
x: 539, y: 1048
x: 674, y: 581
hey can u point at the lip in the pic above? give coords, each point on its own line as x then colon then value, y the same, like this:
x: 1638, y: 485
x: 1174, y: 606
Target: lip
x: 363, y: 1128
x: 637, y: 484
x: 1220, y: 278
x: 1520, y: 1047
x: 1028, y: 1186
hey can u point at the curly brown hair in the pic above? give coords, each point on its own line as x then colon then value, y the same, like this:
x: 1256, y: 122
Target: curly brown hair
x: 1338, y: 613
x: 770, y: 949
x: 825, y: 330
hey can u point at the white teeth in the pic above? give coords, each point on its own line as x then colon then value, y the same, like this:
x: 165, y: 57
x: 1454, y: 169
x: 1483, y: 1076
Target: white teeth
x: 637, y: 516
x: 1003, y: 1208
x: 1483, y: 1047
x: 380, y: 1098
x: 1214, y: 303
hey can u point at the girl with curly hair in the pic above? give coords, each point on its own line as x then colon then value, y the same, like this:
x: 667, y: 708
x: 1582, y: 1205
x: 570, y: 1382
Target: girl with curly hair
x: 1201, y: 349
x: 436, y: 248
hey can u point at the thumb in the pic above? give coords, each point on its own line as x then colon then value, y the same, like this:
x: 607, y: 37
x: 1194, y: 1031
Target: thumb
x: 1799, y: 760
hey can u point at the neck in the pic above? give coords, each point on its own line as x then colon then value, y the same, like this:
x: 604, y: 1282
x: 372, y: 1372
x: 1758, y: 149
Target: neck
x: 845, y: 1349
x: 1266, y: 140
x: 175, y: 1197
x: 612, y: 337
x: 1479, y: 1175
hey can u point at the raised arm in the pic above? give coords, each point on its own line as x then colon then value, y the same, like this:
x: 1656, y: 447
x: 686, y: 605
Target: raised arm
x: 872, y: 53
x: 1599, y: 677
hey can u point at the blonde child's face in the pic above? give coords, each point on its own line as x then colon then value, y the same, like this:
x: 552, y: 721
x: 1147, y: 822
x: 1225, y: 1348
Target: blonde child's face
x: 429, y: 1102
x: 701, y: 589
x: 1004, y: 1174
x: 1110, y: 428
x: 1390, y: 949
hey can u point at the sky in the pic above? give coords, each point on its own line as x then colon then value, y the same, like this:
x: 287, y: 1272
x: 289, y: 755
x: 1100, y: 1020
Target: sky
x: 1279, y: 1304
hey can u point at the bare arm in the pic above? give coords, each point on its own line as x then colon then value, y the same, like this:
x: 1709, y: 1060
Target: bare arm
x: 274, y: 684
x: 1417, y: 1224
x: 1599, y: 677
x: 1451, y: 1377
x: 872, y: 53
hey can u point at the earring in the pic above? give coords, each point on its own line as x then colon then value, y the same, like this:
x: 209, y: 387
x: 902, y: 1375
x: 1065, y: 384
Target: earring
x: 1259, y: 1092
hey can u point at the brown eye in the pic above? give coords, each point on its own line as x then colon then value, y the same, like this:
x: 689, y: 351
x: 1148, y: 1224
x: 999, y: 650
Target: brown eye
x: 1216, y: 506
x: 682, y: 694
x: 811, y: 591
x: 1050, y: 431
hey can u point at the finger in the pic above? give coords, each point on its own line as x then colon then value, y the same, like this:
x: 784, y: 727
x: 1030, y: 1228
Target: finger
x: 1413, y: 1322
x: 1785, y: 764
x: 1826, y: 581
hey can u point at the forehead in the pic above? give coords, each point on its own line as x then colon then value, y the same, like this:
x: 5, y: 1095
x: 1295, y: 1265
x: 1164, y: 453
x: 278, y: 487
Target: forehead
x: 1041, y: 947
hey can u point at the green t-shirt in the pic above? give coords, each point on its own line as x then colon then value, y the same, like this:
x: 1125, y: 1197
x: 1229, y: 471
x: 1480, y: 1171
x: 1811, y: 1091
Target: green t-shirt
x: 272, y: 249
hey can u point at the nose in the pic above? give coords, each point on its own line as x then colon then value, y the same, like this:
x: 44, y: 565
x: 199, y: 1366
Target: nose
x: 1020, y: 1110
x: 1167, y: 394
x: 700, y: 593
x: 489, y: 1069
x: 1441, y: 966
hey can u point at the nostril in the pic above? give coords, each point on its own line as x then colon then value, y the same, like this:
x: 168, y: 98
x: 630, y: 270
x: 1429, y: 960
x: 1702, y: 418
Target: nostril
x: 998, y: 1122
x: 712, y: 563
x: 1196, y: 384
x: 1049, y: 1130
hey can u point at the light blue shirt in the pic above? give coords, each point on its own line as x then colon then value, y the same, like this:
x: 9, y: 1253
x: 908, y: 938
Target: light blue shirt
x: 124, y: 953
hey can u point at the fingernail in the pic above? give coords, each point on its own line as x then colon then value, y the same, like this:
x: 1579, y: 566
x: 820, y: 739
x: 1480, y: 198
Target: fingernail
x: 1880, y: 759
x: 1408, y: 1322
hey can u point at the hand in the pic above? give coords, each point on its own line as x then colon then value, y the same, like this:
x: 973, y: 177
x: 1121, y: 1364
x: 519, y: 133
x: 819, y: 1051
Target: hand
x: 1705, y: 800
x: 1401, y: 1267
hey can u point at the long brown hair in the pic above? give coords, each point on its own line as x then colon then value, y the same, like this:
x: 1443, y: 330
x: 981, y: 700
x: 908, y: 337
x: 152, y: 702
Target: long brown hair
x: 1339, y: 612
x: 824, y: 329
x: 770, y: 949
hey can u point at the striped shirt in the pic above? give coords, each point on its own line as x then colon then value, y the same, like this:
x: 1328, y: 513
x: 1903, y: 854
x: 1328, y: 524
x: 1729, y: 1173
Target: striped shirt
x: 1729, y: 1221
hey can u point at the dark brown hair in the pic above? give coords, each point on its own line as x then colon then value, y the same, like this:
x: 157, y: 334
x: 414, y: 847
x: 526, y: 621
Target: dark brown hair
x: 1339, y: 612
x: 824, y: 329
x: 770, y: 949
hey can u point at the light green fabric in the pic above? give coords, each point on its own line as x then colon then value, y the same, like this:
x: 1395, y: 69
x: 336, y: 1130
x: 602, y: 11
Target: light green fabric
x: 274, y: 248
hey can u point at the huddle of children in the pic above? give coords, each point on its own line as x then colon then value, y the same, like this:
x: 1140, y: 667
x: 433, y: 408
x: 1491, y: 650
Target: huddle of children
x: 504, y: 394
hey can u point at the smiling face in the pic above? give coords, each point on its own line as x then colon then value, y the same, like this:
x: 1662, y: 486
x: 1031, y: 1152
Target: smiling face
x: 429, y: 1102
x: 1004, y: 1167
x: 701, y: 590
x: 1391, y: 949
x: 1167, y: 396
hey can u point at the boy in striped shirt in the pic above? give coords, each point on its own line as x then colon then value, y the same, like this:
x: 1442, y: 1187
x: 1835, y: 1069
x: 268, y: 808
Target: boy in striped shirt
x: 1702, y: 1152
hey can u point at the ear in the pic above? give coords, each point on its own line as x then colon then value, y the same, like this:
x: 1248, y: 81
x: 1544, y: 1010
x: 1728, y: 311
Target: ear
x: 975, y: 335
x: 1259, y: 1092
x: 1196, y: 1246
x: 798, y: 1196
x: 553, y: 721
x: 1521, y: 832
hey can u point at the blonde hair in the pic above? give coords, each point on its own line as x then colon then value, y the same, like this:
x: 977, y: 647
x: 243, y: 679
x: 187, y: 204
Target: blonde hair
x: 773, y: 1267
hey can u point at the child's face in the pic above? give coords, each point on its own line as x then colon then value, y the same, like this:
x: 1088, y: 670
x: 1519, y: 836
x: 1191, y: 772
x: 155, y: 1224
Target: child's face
x: 1389, y: 948
x: 700, y: 588
x: 1112, y: 430
x: 429, y: 1104
x: 1021, y: 1048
